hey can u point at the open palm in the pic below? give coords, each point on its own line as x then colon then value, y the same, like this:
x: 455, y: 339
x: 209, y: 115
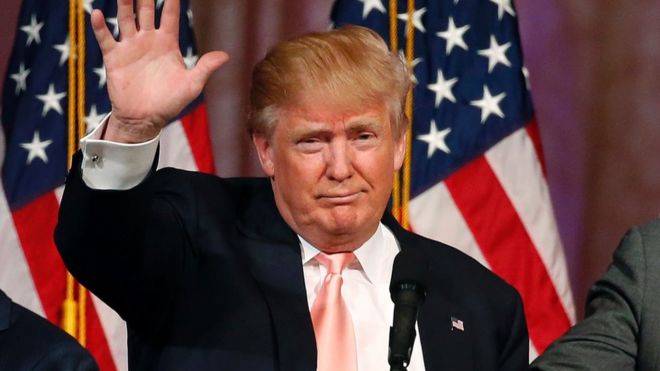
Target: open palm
x: 148, y: 81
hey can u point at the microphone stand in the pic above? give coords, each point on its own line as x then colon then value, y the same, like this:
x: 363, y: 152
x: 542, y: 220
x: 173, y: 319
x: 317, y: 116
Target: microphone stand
x: 407, y: 290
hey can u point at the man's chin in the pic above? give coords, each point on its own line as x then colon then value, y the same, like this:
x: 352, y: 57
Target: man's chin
x: 348, y: 232
x: 343, y: 221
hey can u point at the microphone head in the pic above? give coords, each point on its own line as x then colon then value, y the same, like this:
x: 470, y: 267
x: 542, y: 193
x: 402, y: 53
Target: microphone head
x: 409, y: 274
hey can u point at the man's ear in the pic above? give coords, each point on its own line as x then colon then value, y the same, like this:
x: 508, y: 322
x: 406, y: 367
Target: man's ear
x: 399, y: 151
x: 265, y: 153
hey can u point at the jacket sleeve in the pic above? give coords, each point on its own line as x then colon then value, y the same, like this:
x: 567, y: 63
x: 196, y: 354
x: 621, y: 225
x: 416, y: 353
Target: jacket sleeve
x: 607, y: 337
x: 129, y: 247
x: 515, y: 354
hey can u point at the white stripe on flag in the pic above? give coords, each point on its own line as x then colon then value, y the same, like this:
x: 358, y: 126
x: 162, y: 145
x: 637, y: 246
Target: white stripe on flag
x: 175, y: 148
x: 59, y: 191
x: 115, y: 333
x: 514, y: 162
x: 533, y: 353
x: 433, y: 214
x: 15, y: 277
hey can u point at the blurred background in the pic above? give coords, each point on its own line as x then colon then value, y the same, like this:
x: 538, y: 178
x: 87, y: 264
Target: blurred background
x: 595, y: 75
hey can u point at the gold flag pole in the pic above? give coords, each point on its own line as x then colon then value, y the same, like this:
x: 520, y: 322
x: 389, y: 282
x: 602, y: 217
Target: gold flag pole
x: 73, y: 312
x: 401, y: 194
x: 407, y: 161
x: 394, y: 46
x: 69, y: 307
x: 80, y: 101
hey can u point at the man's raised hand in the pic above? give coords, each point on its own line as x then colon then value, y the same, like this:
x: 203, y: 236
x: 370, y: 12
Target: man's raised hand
x: 147, y: 79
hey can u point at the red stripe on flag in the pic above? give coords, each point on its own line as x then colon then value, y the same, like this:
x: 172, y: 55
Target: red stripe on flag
x: 35, y: 224
x: 534, y: 133
x: 196, y: 126
x: 97, y: 342
x: 507, y: 247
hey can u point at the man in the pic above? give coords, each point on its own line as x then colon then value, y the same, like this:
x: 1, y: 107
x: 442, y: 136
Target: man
x: 243, y: 273
x: 29, y: 342
x: 621, y: 329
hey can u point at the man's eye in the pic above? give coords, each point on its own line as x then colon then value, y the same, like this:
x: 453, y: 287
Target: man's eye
x: 365, y: 136
x: 312, y: 144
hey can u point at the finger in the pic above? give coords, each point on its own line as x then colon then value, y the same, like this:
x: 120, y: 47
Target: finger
x: 126, y: 18
x: 206, y: 65
x: 146, y: 10
x: 101, y: 32
x: 169, y: 20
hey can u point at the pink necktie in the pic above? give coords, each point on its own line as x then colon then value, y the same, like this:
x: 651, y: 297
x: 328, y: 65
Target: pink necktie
x: 335, y: 339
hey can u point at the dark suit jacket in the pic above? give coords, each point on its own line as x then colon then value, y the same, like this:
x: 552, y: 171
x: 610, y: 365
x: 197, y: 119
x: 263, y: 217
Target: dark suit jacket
x: 621, y: 329
x: 209, y: 276
x: 29, y: 342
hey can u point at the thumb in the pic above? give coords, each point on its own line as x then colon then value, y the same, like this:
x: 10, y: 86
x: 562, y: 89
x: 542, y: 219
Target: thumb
x: 206, y: 65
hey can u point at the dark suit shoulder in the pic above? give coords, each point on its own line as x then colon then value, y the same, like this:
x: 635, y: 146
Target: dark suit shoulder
x: 209, y: 192
x: 172, y: 177
x: 493, y: 333
x: 455, y: 267
x: 231, y: 183
x: 465, y: 270
x: 238, y: 188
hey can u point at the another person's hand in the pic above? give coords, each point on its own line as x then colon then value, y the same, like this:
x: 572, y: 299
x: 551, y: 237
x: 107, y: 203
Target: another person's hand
x: 147, y: 79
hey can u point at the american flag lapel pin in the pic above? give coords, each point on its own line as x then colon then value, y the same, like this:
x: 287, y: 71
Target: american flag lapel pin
x: 457, y: 324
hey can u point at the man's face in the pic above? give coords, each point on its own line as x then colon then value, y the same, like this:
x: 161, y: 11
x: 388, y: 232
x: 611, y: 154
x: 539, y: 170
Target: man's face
x: 332, y: 173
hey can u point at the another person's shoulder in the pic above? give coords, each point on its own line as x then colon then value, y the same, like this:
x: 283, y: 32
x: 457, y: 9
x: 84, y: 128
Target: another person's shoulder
x: 640, y: 245
x: 648, y: 231
x: 28, y: 341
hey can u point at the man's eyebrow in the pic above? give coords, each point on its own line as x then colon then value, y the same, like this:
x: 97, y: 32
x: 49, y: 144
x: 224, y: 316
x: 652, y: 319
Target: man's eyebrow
x: 364, y: 123
x: 311, y: 128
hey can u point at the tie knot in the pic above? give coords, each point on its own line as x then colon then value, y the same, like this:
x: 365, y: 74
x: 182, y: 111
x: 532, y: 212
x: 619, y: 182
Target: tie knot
x: 335, y: 263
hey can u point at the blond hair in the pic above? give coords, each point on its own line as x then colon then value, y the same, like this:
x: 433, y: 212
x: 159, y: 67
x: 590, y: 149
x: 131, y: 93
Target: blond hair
x: 350, y: 67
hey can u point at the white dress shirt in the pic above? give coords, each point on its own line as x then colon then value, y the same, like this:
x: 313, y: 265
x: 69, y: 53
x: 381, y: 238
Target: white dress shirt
x: 366, y: 291
x: 110, y: 165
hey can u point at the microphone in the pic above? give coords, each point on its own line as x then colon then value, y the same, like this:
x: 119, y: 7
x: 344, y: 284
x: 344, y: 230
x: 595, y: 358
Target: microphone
x: 408, y: 292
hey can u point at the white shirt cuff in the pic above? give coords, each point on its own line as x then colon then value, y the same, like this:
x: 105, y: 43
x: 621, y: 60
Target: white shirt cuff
x: 113, y: 165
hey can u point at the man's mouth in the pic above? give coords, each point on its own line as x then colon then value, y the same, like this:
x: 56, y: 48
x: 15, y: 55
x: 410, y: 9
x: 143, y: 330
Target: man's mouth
x: 340, y: 198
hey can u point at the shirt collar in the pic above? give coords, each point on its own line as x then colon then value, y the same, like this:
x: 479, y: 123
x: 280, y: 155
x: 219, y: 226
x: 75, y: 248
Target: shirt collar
x: 372, y: 255
x: 308, y: 251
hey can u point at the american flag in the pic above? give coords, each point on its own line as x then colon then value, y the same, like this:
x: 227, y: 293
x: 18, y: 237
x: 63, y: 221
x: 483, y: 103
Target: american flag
x: 34, y: 122
x: 457, y: 324
x: 478, y: 180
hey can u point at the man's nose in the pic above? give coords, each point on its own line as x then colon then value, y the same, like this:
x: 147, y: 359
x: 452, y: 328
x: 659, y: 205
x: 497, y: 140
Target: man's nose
x: 339, y: 162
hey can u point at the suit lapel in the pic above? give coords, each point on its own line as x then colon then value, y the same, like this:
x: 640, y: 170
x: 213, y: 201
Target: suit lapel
x: 444, y: 345
x: 273, y: 254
